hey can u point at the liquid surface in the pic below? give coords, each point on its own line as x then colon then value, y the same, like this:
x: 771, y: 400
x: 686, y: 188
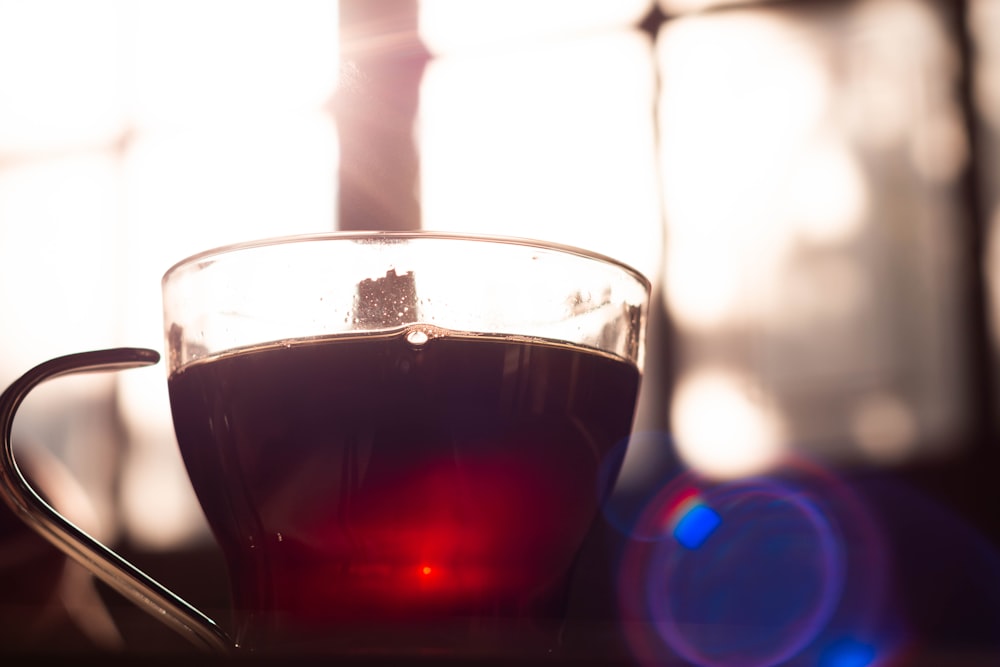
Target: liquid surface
x: 392, y: 481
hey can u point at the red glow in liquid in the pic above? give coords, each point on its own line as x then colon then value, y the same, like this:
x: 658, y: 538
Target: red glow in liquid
x: 461, y: 487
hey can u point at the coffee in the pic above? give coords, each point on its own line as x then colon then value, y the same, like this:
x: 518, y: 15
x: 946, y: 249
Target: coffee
x: 401, y: 481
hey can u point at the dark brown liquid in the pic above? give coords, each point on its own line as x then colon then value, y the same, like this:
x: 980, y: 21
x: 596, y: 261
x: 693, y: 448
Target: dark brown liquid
x: 370, y: 483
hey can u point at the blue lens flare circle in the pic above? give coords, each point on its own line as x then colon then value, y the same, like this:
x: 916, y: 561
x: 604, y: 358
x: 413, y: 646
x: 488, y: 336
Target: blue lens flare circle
x: 745, y: 573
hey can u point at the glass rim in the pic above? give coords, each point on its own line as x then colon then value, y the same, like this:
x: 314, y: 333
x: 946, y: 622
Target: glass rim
x: 409, y: 235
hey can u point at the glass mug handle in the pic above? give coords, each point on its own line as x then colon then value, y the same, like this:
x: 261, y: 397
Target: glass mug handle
x: 78, y: 545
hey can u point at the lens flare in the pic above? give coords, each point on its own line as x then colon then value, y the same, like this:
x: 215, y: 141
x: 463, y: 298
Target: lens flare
x: 696, y: 525
x: 754, y: 572
x: 848, y: 653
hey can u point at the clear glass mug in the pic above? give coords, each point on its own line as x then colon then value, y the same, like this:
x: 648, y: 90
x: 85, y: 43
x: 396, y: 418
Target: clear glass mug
x: 398, y: 439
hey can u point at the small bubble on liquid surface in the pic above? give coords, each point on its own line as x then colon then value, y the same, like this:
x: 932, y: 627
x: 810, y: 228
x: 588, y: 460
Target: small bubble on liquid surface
x: 417, y: 337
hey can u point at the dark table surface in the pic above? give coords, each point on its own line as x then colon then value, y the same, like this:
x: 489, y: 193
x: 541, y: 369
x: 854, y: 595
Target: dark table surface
x: 918, y: 584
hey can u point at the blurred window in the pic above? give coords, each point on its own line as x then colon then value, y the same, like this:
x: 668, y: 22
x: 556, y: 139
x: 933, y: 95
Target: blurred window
x: 133, y: 135
x: 817, y: 244
x: 800, y: 180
